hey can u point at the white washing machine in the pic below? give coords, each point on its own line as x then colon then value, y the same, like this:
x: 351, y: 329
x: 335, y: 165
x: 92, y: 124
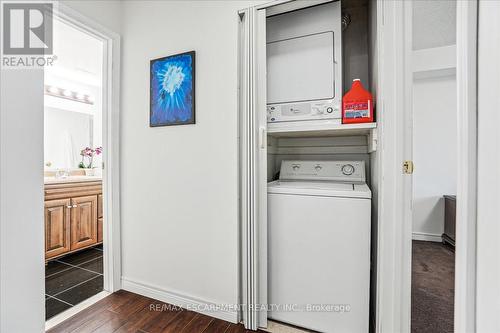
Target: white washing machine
x: 319, y: 215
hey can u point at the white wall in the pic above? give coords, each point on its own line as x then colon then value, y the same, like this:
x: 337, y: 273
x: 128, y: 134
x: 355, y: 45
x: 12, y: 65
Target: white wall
x: 488, y: 213
x: 179, y: 183
x: 105, y: 12
x: 434, y: 153
x: 22, y: 301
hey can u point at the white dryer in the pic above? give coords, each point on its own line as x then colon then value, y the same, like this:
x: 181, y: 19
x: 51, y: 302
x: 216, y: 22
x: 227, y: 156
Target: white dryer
x: 319, y: 215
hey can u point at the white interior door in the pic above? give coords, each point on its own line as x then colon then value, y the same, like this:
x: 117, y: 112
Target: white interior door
x: 253, y: 165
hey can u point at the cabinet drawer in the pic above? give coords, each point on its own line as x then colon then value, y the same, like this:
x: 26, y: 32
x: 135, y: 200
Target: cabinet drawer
x: 71, y: 190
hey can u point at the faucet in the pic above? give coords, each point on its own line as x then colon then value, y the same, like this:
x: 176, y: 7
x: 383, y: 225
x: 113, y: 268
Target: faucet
x: 61, y: 173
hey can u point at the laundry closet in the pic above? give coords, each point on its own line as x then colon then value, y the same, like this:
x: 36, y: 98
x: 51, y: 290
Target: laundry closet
x: 308, y: 169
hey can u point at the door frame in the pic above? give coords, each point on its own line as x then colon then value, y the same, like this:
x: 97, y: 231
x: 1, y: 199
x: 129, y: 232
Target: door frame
x: 393, y: 267
x: 111, y: 139
x: 466, y: 217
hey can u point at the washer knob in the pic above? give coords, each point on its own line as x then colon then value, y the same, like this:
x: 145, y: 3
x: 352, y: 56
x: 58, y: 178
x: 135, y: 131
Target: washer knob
x: 347, y: 169
x: 329, y: 109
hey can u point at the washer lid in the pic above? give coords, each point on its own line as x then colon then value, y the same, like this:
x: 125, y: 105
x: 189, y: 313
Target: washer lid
x: 319, y: 188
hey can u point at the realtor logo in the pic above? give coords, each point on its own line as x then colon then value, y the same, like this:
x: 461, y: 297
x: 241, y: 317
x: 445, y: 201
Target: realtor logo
x: 27, y: 28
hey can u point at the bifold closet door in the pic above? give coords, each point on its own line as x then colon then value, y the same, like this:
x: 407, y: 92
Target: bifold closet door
x: 253, y: 165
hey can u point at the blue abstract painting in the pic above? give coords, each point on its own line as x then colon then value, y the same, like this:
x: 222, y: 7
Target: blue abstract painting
x: 172, y: 90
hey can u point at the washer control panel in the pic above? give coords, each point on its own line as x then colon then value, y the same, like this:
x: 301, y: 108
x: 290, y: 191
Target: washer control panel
x: 303, y: 111
x: 352, y: 171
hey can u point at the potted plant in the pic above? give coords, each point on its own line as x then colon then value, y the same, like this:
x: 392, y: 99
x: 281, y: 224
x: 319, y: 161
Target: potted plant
x: 88, y: 158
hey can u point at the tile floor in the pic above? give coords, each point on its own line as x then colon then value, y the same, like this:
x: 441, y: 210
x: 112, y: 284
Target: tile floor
x: 72, y: 279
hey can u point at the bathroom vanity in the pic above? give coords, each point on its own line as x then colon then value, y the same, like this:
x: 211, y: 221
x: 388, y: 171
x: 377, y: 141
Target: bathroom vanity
x: 73, y: 214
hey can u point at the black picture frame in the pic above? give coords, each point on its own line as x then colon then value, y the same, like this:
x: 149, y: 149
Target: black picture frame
x: 153, y: 121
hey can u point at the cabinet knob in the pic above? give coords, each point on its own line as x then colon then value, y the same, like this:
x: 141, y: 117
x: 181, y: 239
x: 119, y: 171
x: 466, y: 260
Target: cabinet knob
x: 69, y: 207
x: 74, y: 206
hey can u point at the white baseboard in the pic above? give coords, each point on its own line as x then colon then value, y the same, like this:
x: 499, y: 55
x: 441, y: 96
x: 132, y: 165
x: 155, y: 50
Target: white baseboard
x: 275, y: 327
x: 422, y: 236
x: 187, y: 302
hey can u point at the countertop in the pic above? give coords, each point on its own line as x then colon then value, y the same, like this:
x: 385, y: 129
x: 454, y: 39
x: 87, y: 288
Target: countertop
x: 71, y: 179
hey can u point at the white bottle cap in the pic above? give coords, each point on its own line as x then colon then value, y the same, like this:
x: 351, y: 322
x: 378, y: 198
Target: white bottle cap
x: 356, y: 80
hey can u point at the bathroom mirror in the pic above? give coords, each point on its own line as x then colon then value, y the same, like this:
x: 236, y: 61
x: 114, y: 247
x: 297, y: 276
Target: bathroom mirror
x: 66, y: 134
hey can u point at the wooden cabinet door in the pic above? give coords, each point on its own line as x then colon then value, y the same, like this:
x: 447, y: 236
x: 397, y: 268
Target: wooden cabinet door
x: 83, y: 221
x: 57, y: 227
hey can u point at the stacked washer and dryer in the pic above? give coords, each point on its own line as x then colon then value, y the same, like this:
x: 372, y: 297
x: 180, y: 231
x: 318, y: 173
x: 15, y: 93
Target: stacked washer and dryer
x: 319, y: 212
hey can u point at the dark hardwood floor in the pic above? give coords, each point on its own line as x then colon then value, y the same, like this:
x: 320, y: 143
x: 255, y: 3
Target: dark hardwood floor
x: 128, y: 312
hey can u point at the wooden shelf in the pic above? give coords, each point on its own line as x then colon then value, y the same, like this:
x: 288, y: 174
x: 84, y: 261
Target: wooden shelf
x: 319, y: 128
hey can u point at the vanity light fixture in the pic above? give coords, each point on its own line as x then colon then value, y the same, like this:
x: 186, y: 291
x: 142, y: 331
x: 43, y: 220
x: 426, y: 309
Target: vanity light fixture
x: 53, y: 90
x: 68, y: 94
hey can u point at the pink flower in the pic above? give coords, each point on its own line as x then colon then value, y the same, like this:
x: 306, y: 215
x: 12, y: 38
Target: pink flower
x: 87, y: 152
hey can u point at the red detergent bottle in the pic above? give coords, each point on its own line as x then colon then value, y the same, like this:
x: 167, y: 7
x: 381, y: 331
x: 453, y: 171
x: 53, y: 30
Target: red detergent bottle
x: 357, y: 105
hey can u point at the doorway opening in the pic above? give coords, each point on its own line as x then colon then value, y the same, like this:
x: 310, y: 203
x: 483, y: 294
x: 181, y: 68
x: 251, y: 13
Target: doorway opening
x: 434, y: 150
x: 74, y: 130
x: 309, y: 175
